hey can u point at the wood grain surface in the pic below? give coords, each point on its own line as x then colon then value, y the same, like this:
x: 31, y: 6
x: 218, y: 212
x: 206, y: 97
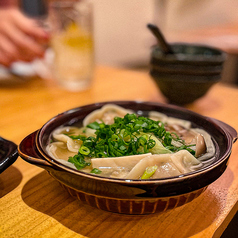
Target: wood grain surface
x: 33, y: 204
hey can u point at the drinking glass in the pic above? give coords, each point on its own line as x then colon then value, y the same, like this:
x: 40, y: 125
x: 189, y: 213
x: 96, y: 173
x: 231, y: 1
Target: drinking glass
x: 71, y: 26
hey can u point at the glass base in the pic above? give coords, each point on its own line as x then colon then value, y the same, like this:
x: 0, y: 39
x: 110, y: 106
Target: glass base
x: 75, y: 86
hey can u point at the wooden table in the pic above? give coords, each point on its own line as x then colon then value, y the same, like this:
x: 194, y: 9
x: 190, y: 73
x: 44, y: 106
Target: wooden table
x: 33, y: 204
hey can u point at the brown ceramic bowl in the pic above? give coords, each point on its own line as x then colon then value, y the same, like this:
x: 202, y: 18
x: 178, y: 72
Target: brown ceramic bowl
x: 131, y: 196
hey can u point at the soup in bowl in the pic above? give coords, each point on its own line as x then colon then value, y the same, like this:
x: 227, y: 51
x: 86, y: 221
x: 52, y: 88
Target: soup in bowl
x: 131, y: 157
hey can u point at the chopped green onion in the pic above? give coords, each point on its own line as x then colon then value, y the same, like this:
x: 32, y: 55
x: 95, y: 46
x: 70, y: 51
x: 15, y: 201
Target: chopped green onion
x: 84, y: 150
x: 95, y: 171
x: 95, y: 125
x: 78, y: 161
x: 130, y: 135
x: 149, y: 171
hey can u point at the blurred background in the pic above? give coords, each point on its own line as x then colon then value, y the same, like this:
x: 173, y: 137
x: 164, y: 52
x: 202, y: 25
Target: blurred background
x: 123, y: 40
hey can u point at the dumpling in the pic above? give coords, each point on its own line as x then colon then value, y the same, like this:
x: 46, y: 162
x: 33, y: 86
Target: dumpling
x: 63, y: 146
x: 106, y: 113
x: 168, y: 165
x: 159, y: 160
x: 59, y: 150
x: 123, y: 161
x: 184, y: 161
x: 210, y: 148
x: 166, y: 170
x: 158, y: 116
x: 62, y: 134
x: 117, y: 166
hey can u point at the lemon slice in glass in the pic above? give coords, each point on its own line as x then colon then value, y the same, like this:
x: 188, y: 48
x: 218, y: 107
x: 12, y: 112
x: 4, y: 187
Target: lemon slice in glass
x: 76, y: 37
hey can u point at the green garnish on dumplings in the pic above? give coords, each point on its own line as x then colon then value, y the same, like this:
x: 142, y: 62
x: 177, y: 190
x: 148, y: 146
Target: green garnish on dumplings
x: 130, y: 135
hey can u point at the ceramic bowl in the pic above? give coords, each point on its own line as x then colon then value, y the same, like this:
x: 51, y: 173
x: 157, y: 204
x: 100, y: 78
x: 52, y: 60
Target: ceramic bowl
x: 188, y: 74
x: 131, y: 196
x: 8, y: 153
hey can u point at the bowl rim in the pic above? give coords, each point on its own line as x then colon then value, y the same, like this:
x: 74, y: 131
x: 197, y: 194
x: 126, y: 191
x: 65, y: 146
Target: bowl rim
x: 168, y: 180
x: 157, y: 53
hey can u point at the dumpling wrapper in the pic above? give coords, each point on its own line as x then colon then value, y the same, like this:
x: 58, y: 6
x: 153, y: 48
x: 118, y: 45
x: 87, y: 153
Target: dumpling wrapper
x: 168, y: 165
x: 166, y: 170
x: 72, y: 145
x: 106, y: 113
x: 210, y: 148
x: 59, y: 150
x: 184, y: 161
x: 149, y: 161
x: 127, y: 162
x: 170, y: 120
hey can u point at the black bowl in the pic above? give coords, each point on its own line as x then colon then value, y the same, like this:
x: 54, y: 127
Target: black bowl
x: 131, y: 196
x: 8, y: 153
x: 187, y: 74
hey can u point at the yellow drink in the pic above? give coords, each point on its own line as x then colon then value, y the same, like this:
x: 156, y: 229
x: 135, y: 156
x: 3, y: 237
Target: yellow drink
x: 73, y: 55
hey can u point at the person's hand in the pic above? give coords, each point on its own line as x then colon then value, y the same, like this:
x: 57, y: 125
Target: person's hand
x: 21, y: 39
